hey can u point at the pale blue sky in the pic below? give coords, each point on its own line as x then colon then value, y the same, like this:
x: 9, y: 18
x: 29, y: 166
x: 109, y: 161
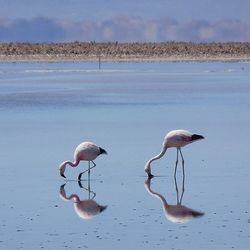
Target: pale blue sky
x: 152, y: 20
x: 105, y: 9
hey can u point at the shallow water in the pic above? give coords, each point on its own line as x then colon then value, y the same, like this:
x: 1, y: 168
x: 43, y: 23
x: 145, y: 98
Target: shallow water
x: 46, y: 109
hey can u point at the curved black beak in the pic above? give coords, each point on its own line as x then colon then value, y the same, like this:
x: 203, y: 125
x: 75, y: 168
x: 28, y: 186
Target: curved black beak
x: 150, y: 176
x: 63, y: 176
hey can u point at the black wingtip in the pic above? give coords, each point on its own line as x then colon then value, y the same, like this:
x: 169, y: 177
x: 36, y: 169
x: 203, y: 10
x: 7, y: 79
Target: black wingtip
x: 197, y: 137
x: 102, y: 208
x: 197, y: 214
x: 102, y: 151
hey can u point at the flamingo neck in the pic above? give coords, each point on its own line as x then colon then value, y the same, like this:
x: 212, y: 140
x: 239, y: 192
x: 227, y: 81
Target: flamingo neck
x: 163, y: 151
x: 72, y: 164
x: 158, y: 196
x: 63, y: 165
x: 72, y: 197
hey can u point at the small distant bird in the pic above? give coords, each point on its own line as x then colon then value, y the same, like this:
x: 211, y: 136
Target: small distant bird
x: 86, y: 151
x: 174, y: 139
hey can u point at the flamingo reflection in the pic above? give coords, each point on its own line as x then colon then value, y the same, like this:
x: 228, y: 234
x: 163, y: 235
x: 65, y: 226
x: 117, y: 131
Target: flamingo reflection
x: 85, y: 209
x: 175, y: 213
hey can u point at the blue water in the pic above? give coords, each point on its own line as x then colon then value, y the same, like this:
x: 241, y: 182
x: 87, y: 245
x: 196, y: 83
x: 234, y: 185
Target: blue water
x: 47, y: 109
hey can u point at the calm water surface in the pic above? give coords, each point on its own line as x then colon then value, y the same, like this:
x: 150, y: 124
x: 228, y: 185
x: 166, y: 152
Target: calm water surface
x: 46, y: 109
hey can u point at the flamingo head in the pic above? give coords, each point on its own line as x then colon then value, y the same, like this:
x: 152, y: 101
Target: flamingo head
x: 147, y: 169
x: 62, y: 168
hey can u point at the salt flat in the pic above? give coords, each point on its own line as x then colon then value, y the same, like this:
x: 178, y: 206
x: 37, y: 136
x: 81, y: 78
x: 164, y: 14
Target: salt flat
x: 47, y: 109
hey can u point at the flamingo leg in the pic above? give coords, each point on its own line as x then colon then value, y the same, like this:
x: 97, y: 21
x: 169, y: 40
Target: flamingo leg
x: 175, y: 170
x: 89, y: 181
x: 87, y: 189
x: 181, y: 156
x: 176, y: 163
x: 89, y: 172
x: 183, y: 181
x: 80, y: 175
x: 183, y: 176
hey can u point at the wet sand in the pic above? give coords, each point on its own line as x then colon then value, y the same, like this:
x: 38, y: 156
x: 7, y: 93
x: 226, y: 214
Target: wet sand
x: 92, y: 51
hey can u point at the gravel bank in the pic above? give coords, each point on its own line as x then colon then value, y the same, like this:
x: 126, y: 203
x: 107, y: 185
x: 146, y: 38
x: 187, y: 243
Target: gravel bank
x: 80, y: 51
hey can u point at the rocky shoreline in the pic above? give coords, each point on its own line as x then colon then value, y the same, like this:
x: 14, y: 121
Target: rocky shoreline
x: 92, y: 51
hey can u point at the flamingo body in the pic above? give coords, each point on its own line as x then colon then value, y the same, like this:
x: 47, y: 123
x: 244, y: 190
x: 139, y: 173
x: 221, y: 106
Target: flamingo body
x: 88, y: 209
x: 174, y: 139
x: 180, y: 214
x: 177, y: 138
x: 86, y: 151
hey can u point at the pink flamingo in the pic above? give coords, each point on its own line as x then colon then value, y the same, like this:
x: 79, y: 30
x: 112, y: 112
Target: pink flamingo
x: 85, y: 209
x: 175, y: 213
x: 86, y: 151
x: 174, y: 139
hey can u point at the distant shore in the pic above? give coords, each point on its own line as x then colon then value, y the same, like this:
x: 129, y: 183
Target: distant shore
x: 117, y: 52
